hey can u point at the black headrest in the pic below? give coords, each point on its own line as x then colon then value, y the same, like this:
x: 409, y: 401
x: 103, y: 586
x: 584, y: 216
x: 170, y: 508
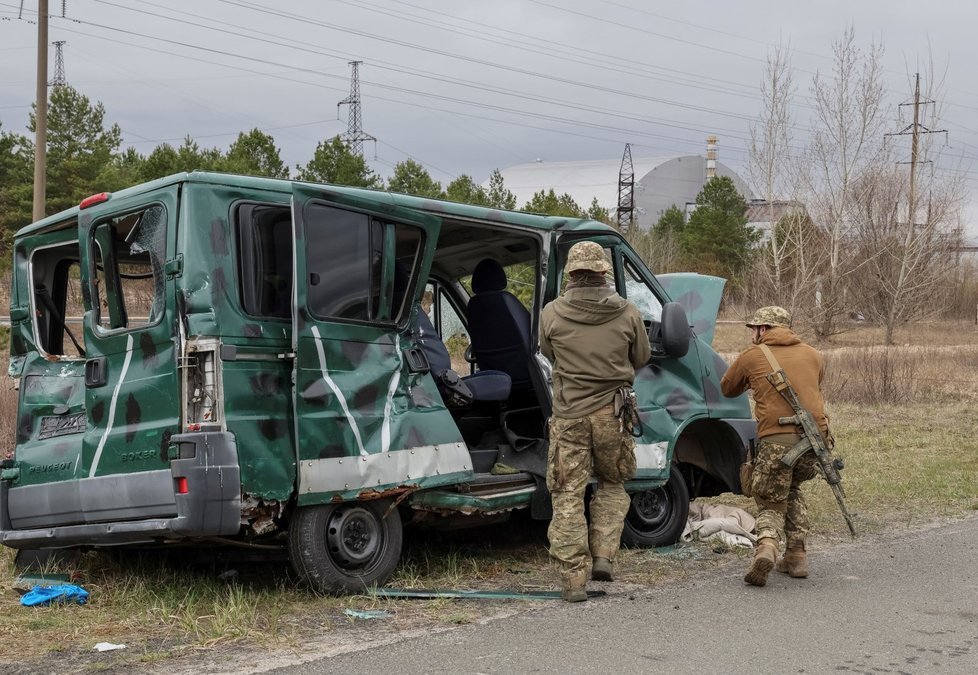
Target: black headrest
x: 488, y: 276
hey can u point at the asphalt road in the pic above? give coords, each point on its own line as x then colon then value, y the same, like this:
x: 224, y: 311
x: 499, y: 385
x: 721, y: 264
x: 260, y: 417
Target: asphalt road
x: 903, y: 603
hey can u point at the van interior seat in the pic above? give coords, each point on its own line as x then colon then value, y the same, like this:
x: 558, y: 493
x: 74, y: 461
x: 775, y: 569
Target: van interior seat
x: 485, y: 385
x: 499, y: 325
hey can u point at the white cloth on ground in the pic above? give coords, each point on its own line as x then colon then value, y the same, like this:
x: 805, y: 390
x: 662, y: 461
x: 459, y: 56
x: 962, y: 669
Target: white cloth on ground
x: 731, y: 525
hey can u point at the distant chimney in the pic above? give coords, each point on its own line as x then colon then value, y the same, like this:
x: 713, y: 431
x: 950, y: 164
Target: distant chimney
x: 711, y: 157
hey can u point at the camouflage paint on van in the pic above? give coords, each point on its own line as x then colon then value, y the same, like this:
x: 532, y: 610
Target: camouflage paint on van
x: 401, y: 430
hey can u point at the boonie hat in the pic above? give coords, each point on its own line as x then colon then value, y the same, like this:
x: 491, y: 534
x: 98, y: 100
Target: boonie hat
x: 587, y: 255
x: 770, y: 316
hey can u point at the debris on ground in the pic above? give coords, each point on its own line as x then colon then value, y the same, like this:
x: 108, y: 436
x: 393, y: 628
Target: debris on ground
x: 107, y: 647
x: 424, y: 594
x: 45, y: 595
x: 368, y: 613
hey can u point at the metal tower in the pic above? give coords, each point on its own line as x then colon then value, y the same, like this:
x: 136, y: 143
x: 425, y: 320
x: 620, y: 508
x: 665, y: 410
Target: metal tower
x: 59, y: 65
x: 626, y: 192
x: 355, y: 135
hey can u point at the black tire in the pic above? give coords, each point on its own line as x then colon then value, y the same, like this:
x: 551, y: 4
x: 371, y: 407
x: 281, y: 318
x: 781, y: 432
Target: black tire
x: 345, y: 548
x: 657, y: 517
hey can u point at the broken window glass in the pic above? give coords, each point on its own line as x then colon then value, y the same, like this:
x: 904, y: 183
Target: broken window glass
x: 130, y: 254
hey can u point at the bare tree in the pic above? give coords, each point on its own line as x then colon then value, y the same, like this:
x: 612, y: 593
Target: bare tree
x: 846, y: 143
x: 769, y: 161
x: 785, y: 268
x: 908, y: 230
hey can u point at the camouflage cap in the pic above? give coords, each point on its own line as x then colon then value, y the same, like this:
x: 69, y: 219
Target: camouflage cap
x: 587, y: 255
x: 770, y: 316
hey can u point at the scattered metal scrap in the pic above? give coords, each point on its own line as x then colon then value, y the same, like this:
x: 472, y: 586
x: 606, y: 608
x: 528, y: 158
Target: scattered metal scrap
x: 422, y: 594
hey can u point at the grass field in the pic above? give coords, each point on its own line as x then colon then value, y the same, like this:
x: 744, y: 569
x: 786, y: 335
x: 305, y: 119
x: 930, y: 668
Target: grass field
x: 905, y: 423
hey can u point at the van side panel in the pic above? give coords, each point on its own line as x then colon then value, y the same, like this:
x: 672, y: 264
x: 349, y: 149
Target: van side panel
x: 256, y: 371
x: 258, y: 409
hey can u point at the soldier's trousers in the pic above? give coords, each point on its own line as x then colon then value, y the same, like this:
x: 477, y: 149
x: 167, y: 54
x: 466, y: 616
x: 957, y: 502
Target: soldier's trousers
x: 782, y: 514
x: 578, y: 446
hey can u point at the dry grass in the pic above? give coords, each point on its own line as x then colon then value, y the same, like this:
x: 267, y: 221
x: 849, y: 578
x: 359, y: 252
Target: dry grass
x: 733, y: 337
x: 904, y: 420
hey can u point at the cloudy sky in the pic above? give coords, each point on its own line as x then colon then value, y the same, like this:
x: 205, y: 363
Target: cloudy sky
x: 466, y: 87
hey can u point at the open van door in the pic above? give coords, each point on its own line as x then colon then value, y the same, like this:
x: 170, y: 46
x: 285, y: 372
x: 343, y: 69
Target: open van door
x: 370, y: 425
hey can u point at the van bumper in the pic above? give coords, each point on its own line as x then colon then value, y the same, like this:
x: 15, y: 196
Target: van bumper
x: 208, y: 460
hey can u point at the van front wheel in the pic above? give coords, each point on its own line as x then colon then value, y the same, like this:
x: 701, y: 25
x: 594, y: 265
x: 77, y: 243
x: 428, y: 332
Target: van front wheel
x: 657, y: 517
x: 345, y: 548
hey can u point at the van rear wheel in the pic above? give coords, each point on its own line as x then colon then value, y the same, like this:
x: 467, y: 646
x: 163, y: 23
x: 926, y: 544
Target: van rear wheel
x: 657, y: 517
x: 345, y: 548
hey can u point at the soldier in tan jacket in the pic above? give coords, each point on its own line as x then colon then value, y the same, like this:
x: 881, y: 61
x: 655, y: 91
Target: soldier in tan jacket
x: 595, y: 340
x: 776, y: 489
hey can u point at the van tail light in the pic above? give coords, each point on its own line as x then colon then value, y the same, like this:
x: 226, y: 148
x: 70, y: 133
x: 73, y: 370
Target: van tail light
x: 182, y: 487
x: 94, y: 199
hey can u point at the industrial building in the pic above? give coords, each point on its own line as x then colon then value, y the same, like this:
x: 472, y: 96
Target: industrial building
x: 659, y: 182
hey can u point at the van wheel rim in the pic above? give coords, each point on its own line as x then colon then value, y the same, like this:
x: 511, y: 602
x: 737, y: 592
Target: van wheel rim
x: 650, y: 509
x: 353, y: 536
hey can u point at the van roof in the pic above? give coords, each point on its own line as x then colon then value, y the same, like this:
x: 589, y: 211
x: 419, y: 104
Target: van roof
x: 433, y: 206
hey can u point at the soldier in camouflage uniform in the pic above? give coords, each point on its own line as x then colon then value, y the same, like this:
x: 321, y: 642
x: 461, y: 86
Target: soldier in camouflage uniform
x: 775, y: 487
x: 595, y: 339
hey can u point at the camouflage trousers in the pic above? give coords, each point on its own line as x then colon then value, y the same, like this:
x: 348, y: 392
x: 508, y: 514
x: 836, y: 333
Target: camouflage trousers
x: 782, y: 514
x: 577, y: 447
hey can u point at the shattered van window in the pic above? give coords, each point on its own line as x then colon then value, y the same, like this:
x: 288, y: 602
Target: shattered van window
x: 130, y: 252
x: 640, y: 295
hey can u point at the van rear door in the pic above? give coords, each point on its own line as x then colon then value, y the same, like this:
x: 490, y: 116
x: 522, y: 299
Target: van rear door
x: 368, y: 417
x: 131, y: 387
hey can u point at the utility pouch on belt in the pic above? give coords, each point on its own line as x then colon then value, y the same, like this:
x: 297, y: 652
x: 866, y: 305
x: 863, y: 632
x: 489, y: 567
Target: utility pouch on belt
x: 626, y: 410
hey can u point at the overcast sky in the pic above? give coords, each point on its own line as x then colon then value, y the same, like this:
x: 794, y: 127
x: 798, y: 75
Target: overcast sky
x: 466, y: 87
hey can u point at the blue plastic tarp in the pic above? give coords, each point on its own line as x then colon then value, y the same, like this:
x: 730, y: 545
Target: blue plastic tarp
x: 44, y: 595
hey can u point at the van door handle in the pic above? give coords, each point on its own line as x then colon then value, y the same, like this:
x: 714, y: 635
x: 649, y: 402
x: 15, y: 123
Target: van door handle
x: 96, y: 372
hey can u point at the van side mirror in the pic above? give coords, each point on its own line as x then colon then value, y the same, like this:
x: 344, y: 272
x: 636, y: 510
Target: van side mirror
x: 671, y: 335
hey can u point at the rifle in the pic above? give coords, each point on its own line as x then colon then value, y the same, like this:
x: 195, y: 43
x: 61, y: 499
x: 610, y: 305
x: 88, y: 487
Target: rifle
x: 812, y: 438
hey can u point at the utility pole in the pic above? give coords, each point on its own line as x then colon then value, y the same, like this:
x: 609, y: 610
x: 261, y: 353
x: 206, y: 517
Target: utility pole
x: 59, y: 64
x: 41, y: 111
x: 626, y: 193
x: 915, y: 129
x: 355, y: 135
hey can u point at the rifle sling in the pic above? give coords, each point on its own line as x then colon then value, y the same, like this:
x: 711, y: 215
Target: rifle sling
x: 779, y: 380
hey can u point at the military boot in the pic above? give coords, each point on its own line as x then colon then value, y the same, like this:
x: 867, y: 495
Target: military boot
x: 573, y: 595
x: 795, y: 562
x: 573, y: 587
x: 763, y: 562
x: 601, y: 569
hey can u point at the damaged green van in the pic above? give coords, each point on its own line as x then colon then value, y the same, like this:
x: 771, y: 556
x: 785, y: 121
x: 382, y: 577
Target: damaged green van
x: 211, y: 358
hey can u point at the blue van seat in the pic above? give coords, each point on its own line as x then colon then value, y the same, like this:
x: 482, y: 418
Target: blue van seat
x: 485, y: 385
x: 499, y: 325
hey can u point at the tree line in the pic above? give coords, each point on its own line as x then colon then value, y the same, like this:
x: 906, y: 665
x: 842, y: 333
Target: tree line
x: 85, y: 156
x: 849, y: 236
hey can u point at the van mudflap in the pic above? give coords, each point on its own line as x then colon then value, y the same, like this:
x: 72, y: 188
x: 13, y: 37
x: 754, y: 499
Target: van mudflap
x: 204, y: 464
